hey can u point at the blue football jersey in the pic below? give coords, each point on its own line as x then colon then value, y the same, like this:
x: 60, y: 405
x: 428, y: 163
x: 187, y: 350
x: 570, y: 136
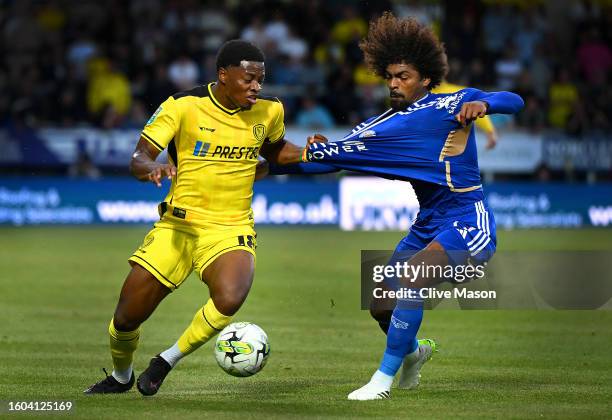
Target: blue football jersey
x: 423, y: 144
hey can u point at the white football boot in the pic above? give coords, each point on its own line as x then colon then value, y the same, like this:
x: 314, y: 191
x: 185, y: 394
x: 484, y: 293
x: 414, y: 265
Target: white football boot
x: 411, y: 369
x: 378, y: 388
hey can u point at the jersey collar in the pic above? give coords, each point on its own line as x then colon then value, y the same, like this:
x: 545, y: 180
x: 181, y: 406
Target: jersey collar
x: 218, y: 104
x: 419, y: 100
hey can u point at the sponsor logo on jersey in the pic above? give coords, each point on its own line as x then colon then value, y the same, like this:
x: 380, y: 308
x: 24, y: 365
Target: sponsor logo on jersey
x: 367, y: 133
x: 204, y: 149
x: 318, y: 151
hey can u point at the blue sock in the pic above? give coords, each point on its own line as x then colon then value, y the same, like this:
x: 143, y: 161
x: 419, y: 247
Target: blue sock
x: 401, y: 338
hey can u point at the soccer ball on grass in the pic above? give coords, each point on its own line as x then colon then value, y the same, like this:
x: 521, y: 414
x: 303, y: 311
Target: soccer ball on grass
x: 242, y: 349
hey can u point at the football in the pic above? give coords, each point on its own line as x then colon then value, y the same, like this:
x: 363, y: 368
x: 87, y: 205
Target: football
x: 242, y: 349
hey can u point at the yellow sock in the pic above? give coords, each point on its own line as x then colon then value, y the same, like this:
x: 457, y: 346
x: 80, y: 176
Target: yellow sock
x: 206, y: 323
x: 123, y: 345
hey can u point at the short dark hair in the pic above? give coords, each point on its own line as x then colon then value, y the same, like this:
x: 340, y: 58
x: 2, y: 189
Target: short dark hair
x: 391, y: 40
x: 237, y: 50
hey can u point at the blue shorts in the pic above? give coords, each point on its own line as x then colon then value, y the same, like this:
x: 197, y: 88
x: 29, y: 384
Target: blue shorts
x: 466, y: 233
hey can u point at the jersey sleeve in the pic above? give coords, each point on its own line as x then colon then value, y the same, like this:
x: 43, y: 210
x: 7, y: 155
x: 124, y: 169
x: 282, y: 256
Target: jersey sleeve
x: 277, y: 128
x: 163, y: 124
x: 499, y: 102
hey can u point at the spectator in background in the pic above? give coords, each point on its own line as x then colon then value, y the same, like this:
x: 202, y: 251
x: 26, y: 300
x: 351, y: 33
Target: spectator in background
x: 51, y: 17
x: 292, y: 46
x: 498, y: 23
x: 341, y: 97
x: 216, y: 26
x: 313, y: 75
x: 532, y: 117
x: 528, y: 34
x: 465, y: 38
x: 540, y: 71
x: 426, y: 13
x: 313, y: 115
x: 344, y: 30
x: 183, y: 73
x: 277, y: 29
x: 80, y: 52
x: 594, y: 56
x: 370, y: 90
x: 108, y: 95
x: 47, y: 47
x: 159, y: 87
x: 21, y: 33
x: 508, y: 68
x: 137, y: 117
x: 562, y: 96
x: 255, y: 33
x: 577, y: 122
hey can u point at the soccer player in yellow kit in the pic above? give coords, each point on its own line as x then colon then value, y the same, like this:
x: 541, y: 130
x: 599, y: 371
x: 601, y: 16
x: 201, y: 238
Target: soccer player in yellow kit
x: 213, y: 134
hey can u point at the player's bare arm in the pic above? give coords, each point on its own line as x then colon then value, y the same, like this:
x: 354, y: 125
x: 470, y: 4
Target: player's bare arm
x: 283, y: 152
x: 262, y: 170
x: 144, y: 167
x: 491, y: 140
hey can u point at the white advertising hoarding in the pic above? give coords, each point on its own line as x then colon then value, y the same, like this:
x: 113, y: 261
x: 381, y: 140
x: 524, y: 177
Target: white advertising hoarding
x: 376, y: 204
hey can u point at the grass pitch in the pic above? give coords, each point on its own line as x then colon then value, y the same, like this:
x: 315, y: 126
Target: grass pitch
x: 59, y: 287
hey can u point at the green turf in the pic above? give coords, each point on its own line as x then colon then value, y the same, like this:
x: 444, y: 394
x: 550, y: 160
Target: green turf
x: 59, y: 287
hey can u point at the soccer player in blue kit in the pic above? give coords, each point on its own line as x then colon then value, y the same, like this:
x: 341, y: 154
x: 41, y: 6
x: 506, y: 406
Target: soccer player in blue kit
x: 426, y: 139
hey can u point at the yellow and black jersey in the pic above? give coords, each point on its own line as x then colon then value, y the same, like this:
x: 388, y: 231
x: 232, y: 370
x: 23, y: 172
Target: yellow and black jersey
x: 215, y: 150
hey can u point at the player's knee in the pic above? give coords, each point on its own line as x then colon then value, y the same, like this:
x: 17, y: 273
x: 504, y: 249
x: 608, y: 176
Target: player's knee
x: 381, y: 315
x: 229, y: 303
x: 123, y: 322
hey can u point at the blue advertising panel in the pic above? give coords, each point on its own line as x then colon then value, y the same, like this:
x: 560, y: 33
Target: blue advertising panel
x: 550, y: 205
x: 353, y: 203
x: 55, y: 200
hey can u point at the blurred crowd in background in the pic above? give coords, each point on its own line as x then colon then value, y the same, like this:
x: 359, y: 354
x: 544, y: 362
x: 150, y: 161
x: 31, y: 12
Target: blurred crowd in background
x: 109, y: 64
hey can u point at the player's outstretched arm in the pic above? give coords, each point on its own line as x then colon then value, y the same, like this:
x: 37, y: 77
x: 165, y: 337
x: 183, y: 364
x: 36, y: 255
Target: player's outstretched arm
x: 487, y: 103
x: 283, y: 152
x: 144, y: 167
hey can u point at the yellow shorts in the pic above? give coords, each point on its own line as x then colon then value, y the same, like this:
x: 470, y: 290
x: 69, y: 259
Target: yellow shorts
x: 171, y: 254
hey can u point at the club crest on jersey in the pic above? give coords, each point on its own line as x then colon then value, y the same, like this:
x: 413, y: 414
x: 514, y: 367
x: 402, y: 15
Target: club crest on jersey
x: 259, y: 131
x: 449, y: 102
